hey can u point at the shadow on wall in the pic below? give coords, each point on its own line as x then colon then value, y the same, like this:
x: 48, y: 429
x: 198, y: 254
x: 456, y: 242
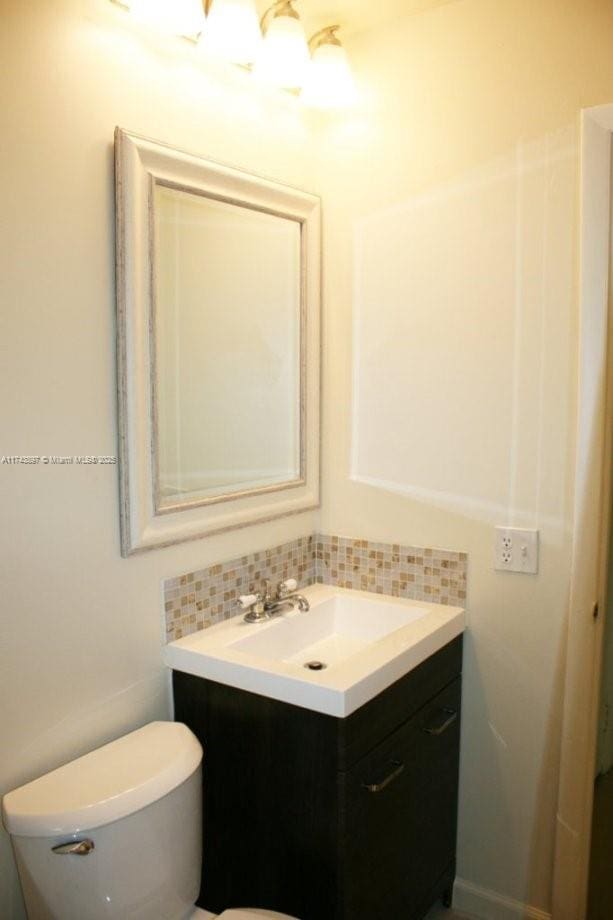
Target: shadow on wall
x: 464, y: 270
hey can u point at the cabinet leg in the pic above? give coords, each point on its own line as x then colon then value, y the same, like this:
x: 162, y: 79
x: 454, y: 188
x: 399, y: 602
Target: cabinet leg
x: 447, y: 897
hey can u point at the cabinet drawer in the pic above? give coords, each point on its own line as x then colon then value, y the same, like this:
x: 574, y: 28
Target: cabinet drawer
x: 369, y: 725
x: 398, y: 814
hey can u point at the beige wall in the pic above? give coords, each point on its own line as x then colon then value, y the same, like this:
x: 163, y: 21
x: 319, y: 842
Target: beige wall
x: 81, y: 627
x: 450, y: 364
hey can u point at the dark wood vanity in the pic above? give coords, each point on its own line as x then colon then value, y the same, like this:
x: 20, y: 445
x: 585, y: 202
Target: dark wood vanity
x: 325, y: 818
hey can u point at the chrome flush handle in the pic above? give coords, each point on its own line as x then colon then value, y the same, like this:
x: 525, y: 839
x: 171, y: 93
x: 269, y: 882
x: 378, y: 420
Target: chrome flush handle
x: 74, y: 848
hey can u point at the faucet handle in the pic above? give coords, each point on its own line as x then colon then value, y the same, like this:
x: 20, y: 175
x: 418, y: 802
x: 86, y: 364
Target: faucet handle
x: 286, y: 587
x: 246, y: 601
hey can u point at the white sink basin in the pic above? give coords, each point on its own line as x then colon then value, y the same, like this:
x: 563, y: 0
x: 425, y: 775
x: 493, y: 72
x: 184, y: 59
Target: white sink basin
x: 364, y: 641
x: 337, y: 628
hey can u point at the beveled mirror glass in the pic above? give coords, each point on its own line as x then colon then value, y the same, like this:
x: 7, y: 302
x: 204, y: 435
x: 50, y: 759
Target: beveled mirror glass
x: 218, y: 345
x: 227, y: 368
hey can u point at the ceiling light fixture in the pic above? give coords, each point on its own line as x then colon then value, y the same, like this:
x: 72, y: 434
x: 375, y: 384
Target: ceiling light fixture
x: 275, y: 46
x: 329, y: 83
x: 284, y: 54
x: 179, y: 17
x: 232, y: 31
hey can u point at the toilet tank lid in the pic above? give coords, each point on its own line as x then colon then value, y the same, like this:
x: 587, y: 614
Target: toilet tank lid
x: 105, y: 785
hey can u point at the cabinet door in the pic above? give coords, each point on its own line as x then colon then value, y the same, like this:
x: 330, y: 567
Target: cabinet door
x: 399, y: 808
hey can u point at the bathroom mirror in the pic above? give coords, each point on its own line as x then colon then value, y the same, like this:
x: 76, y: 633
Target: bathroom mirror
x: 218, y: 287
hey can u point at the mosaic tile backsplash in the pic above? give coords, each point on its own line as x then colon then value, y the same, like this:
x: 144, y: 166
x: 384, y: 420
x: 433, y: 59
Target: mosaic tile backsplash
x: 391, y: 568
x: 199, y: 599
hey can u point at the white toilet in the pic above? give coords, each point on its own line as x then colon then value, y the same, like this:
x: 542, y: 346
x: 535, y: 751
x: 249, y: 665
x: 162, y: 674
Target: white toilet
x: 116, y: 833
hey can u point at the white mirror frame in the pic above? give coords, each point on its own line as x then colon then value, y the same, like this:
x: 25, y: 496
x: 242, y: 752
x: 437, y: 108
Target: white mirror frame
x: 139, y: 163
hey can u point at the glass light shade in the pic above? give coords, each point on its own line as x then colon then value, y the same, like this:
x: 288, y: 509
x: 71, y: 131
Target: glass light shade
x: 284, y: 56
x: 177, y: 17
x: 329, y: 83
x: 232, y: 31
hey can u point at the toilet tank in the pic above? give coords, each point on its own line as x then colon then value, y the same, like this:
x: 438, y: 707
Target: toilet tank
x: 136, y: 807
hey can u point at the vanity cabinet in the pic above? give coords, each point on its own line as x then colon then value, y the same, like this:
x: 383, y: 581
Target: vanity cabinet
x: 325, y: 818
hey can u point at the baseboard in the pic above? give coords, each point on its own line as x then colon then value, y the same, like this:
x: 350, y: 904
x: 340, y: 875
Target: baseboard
x: 483, y: 904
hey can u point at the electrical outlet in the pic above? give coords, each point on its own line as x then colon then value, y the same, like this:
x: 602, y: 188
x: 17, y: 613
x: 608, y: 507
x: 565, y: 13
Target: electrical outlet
x: 516, y: 550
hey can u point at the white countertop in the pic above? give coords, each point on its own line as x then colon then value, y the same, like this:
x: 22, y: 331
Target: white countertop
x: 346, y: 631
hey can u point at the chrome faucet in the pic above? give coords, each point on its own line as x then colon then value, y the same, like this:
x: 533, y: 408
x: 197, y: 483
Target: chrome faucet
x: 264, y: 605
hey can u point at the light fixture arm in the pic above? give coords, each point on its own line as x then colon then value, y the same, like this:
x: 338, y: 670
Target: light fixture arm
x: 278, y: 8
x: 325, y: 36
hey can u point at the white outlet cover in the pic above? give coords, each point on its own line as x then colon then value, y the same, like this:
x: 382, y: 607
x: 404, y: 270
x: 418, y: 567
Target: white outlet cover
x: 516, y: 550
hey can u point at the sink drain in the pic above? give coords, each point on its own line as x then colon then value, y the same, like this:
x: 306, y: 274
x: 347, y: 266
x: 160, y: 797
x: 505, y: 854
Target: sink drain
x: 315, y: 665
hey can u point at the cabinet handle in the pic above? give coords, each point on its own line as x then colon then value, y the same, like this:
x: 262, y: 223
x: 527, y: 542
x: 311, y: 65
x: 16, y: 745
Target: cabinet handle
x: 379, y: 787
x: 439, y: 729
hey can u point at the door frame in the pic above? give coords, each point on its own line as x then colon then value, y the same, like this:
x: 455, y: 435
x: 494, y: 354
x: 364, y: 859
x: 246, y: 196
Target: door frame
x: 590, y: 526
